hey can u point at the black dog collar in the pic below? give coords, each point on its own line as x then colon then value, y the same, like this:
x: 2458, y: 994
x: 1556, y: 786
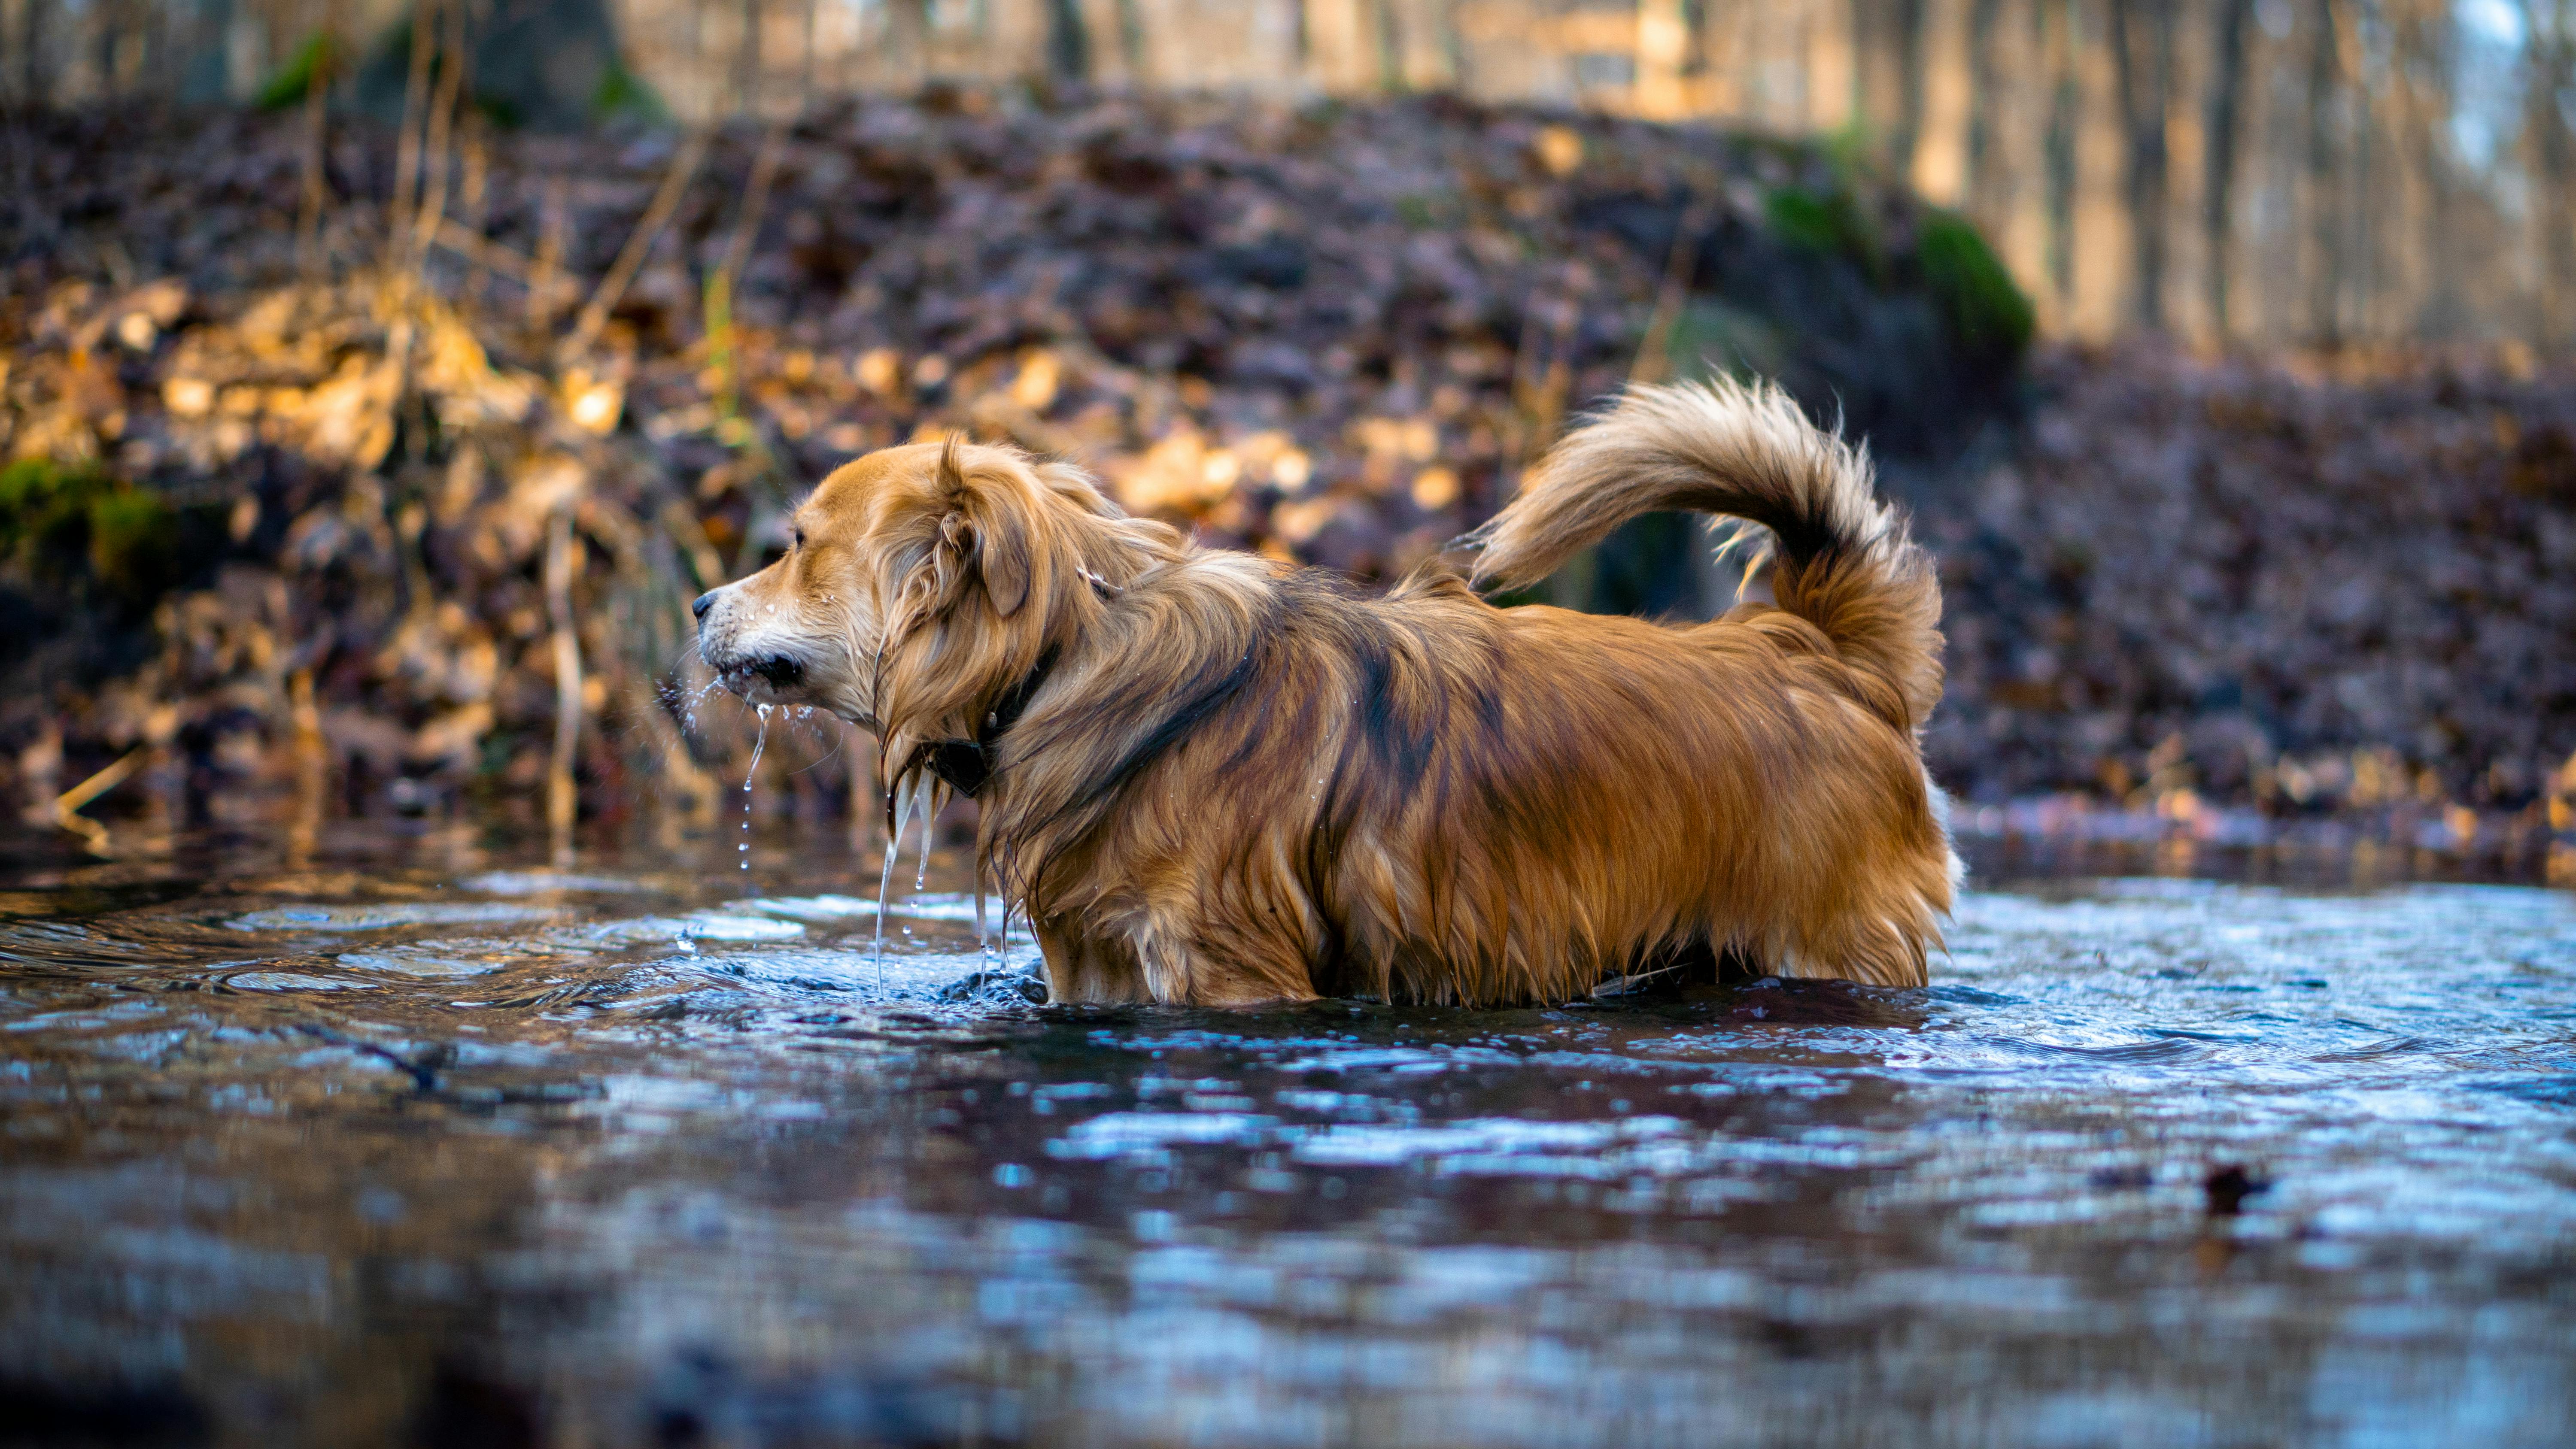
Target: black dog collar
x: 966, y: 764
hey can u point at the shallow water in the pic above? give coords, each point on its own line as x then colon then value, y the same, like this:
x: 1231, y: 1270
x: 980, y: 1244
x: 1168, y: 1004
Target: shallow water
x: 420, y: 1141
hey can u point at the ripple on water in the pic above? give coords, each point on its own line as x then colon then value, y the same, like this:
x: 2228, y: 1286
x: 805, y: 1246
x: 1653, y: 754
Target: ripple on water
x: 387, y: 917
x: 786, y: 1187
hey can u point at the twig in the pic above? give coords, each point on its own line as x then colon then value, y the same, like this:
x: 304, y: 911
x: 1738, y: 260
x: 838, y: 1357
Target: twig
x: 737, y: 254
x: 547, y: 274
x: 317, y: 120
x: 560, y: 797
x: 518, y: 266
x: 639, y: 244
x: 407, y: 146
x: 755, y: 200
x: 691, y: 537
x: 476, y: 183
x: 1654, y: 352
x: 1540, y: 391
x: 67, y: 805
x: 442, y: 125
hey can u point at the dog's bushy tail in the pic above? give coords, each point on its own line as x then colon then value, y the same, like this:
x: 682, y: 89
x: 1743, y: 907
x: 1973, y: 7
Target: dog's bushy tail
x: 1843, y: 560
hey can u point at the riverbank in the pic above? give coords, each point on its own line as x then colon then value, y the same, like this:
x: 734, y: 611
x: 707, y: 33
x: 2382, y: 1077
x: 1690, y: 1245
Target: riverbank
x: 360, y: 505
x: 2271, y: 599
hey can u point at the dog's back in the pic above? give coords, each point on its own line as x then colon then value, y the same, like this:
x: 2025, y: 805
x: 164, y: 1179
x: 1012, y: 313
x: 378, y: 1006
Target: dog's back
x: 1812, y: 842
x: 1420, y: 796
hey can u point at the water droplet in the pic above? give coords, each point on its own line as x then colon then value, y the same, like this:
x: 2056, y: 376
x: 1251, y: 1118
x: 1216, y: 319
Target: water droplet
x: 903, y: 796
x: 748, y: 775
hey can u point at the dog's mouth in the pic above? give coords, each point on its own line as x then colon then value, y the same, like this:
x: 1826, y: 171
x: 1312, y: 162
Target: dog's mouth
x: 772, y: 674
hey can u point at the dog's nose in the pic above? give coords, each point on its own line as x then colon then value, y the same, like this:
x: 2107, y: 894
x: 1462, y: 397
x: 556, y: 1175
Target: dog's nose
x: 702, y: 603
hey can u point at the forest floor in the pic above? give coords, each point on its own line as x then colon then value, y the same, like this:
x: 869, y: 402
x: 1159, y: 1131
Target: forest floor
x: 324, y: 498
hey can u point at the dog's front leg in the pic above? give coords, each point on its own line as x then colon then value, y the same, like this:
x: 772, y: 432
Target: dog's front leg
x: 1087, y: 968
x: 1219, y: 967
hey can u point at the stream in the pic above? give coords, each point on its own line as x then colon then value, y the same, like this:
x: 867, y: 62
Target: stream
x: 417, y: 1139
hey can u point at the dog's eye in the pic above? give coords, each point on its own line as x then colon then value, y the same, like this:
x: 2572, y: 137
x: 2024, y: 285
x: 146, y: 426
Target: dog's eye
x: 800, y: 538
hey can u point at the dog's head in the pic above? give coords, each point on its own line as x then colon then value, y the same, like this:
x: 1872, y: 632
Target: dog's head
x: 920, y: 584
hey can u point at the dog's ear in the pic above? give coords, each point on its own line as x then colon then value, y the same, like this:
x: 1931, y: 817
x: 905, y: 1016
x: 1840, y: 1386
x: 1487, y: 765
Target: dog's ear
x: 982, y: 536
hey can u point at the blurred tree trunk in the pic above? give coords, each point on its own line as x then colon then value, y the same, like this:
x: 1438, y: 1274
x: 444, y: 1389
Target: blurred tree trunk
x: 2324, y: 194
x: 2065, y: 117
x: 204, y: 74
x: 1131, y: 42
x: 1068, y: 42
x: 1887, y: 44
x: 1831, y: 64
x: 1663, y: 44
x: 2218, y: 189
x: 1942, y: 66
x: 548, y: 65
x: 2418, y: 65
x: 2142, y: 45
x: 2550, y: 50
x: 1985, y: 103
x: 33, y: 89
x: 908, y: 42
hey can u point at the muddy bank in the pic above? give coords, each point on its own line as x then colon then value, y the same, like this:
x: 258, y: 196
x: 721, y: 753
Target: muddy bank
x: 2299, y: 589
x: 330, y: 502
x: 322, y: 499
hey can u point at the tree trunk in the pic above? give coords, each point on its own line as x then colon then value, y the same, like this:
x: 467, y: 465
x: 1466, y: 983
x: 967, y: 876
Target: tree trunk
x: 32, y: 74
x: 746, y: 60
x: 1068, y: 42
x: 907, y: 59
x: 1131, y: 42
x: 1910, y: 61
x: 1985, y: 95
x: 2324, y: 195
x: 547, y: 65
x: 2550, y: 49
x: 1887, y: 45
x: 2142, y: 54
x: 2218, y: 195
x: 2065, y: 119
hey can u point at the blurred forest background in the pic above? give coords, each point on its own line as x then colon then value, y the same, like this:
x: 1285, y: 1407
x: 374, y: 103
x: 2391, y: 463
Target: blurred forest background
x: 382, y: 379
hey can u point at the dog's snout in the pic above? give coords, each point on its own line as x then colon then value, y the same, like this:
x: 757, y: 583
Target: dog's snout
x: 702, y: 603
x: 780, y: 670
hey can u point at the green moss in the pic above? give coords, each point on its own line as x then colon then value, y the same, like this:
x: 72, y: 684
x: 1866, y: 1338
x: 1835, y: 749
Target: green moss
x: 312, y: 63
x: 44, y: 516
x: 1976, y: 294
x: 75, y: 527
x: 133, y: 545
x: 622, y: 94
x: 1829, y: 222
x: 1711, y: 335
x: 1848, y: 149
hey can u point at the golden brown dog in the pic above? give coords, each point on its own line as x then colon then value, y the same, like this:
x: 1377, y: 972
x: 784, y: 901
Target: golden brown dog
x: 1206, y: 777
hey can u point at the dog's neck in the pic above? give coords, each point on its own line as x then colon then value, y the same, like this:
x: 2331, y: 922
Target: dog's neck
x: 966, y: 764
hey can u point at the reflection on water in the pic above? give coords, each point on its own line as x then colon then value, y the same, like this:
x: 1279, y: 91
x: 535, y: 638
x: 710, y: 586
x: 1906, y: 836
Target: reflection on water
x: 429, y: 1144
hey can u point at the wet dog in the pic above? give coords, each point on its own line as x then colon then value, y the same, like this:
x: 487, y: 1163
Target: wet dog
x: 1207, y: 777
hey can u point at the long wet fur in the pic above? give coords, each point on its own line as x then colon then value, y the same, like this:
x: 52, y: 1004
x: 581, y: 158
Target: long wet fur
x: 1243, y: 782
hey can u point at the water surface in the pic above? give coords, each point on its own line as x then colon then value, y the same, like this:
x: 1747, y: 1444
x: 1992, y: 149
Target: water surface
x: 420, y: 1140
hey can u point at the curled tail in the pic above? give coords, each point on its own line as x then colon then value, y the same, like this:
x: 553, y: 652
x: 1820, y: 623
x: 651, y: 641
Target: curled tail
x: 1843, y: 561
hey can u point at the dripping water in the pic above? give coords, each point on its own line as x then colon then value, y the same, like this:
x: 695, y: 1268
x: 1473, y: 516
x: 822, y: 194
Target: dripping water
x: 929, y: 818
x: 905, y: 791
x: 744, y: 848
